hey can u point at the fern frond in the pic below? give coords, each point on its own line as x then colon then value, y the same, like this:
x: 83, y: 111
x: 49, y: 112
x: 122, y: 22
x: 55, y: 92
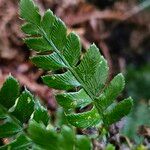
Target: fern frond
x: 15, y: 111
x: 52, y: 140
x: 89, y: 75
x: 27, y: 123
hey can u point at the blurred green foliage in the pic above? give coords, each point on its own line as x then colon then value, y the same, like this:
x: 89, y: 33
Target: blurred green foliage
x: 138, y: 86
x: 139, y: 116
x: 138, y: 82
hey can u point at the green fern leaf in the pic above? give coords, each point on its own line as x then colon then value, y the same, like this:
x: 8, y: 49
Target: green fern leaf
x: 48, y: 62
x: 85, y: 119
x: 110, y: 93
x: 9, y: 128
x: 63, y: 140
x: 73, y: 99
x: 38, y: 43
x: 15, y: 111
x: 58, y: 29
x: 30, y: 29
x: 117, y: 112
x: 9, y: 92
x: 89, y: 70
x: 47, y: 22
x: 40, y: 114
x: 72, y: 49
x: 89, y: 74
x: 30, y: 12
x: 20, y: 110
x: 63, y: 81
x: 42, y: 137
x: 27, y: 124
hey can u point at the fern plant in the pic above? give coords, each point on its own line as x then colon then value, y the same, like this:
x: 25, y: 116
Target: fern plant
x: 86, y: 77
x: 26, y: 123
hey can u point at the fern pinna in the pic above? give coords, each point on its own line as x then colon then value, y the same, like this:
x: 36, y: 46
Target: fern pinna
x: 26, y: 123
x: 56, y: 49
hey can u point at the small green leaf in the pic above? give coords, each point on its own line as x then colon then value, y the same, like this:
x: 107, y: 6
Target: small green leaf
x: 85, y: 119
x: 40, y: 114
x: 24, y: 107
x: 30, y: 29
x: 47, y: 22
x: 68, y: 138
x: 83, y: 143
x: 93, y: 70
x: 73, y: 99
x: 120, y: 110
x: 9, y: 92
x: 72, y: 49
x: 39, y: 44
x: 8, y: 128
x: 63, y: 81
x: 99, y: 78
x: 48, y: 62
x: 29, y: 12
x: 87, y: 67
x: 46, y: 139
x: 110, y: 93
x: 58, y: 34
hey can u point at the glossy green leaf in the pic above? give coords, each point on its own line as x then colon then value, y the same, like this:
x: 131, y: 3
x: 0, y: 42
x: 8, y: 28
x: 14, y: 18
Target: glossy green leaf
x: 83, y: 143
x: 110, y: 93
x: 46, y: 139
x: 39, y: 44
x: 48, y: 62
x: 63, y: 81
x: 93, y: 70
x: 8, y: 128
x: 99, y: 78
x: 41, y: 114
x: 68, y: 138
x: 117, y: 112
x: 88, y: 74
x: 29, y: 12
x: 9, y: 92
x: 24, y: 107
x: 47, y: 22
x: 72, y: 49
x: 30, y: 29
x: 73, y: 99
x: 65, y: 139
x: 58, y: 34
x: 85, y: 119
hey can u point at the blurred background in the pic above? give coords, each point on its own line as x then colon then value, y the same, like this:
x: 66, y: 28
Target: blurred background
x: 120, y: 28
